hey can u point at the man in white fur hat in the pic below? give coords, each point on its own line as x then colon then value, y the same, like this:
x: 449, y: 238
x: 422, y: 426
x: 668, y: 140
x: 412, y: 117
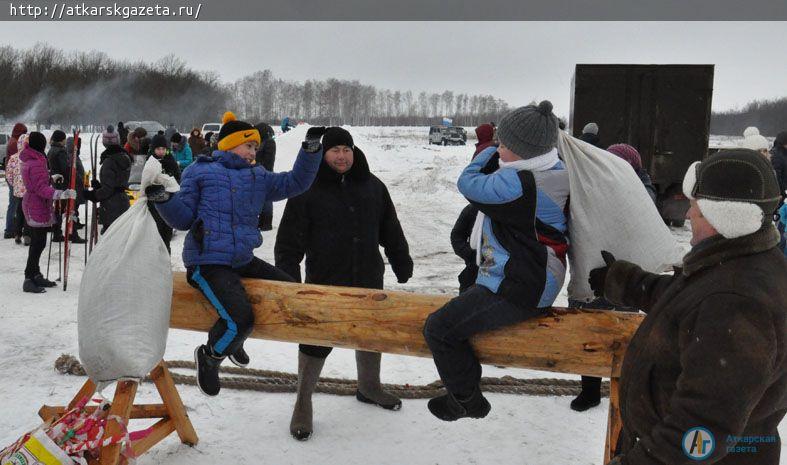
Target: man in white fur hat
x: 705, y: 376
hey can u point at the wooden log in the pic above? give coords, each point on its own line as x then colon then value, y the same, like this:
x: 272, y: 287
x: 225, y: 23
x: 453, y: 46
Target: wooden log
x: 564, y: 340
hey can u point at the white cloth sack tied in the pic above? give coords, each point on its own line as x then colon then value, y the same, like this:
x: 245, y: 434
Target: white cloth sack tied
x: 126, y: 294
x: 610, y: 210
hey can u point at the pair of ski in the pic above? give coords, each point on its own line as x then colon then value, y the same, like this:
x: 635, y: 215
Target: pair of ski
x: 71, y: 207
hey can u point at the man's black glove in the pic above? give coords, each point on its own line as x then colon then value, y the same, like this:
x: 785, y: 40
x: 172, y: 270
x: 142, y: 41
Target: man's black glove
x: 156, y: 193
x: 404, y: 270
x: 313, y: 136
x: 95, y: 184
x: 90, y: 195
x: 598, y: 276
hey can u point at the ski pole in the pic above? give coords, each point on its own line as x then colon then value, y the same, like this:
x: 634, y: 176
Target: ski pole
x: 49, y: 256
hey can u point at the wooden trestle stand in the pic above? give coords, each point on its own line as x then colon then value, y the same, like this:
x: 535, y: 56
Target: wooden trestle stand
x: 171, y: 413
x: 582, y: 342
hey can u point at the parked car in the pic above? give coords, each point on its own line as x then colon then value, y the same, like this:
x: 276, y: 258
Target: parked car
x: 152, y: 127
x: 442, y: 135
x: 3, y: 144
x: 211, y: 127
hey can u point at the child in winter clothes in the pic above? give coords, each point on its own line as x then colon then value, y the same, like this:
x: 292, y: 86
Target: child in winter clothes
x: 520, y: 237
x: 181, y: 151
x: 169, y: 166
x: 219, y: 202
x: 13, y: 175
x: 38, y: 207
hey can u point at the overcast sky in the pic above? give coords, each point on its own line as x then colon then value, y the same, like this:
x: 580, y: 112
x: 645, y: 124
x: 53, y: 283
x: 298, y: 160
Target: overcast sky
x: 518, y: 62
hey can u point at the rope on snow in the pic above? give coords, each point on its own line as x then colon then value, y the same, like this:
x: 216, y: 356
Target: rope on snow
x: 251, y: 379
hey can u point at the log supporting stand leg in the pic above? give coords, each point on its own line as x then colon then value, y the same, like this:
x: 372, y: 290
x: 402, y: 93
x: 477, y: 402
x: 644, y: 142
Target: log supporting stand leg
x: 171, y: 414
x: 614, y: 423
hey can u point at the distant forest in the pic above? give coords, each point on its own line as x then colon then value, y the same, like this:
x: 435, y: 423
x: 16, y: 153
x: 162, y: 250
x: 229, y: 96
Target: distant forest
x: 48, y: 86
x: 769, y: 116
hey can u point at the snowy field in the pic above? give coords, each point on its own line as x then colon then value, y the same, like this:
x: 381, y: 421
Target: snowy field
x: 245, y: 427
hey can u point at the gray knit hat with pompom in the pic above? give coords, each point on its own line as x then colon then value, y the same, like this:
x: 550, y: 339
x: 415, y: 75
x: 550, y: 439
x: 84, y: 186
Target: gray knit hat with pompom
x: 529, y: 131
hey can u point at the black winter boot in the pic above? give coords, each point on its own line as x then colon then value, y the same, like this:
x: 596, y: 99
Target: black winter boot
x: 370, y: 391
x: 75, y: 239
x: 590, y: 395
x: 240, y: 358
x: 30, y: 286
x: 41, y: 281
x: 207, y: 370
x: 449, y: 408
x: 309, y: 369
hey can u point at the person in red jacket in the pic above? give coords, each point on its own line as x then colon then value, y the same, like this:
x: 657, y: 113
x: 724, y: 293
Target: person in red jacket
x: 11, y: 149
x: 486, y: 137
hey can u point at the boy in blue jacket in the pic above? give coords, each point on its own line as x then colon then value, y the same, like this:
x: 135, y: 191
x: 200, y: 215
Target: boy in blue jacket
x: 219, y: 203
x: 520, y: 237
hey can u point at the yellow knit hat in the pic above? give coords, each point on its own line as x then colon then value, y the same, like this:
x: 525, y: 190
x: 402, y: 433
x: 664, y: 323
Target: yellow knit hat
x: 234, y: 133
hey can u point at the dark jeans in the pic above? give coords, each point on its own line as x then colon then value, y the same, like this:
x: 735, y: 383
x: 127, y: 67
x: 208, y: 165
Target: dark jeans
x: 449, y: 329
x: 19, y: 219
x: 37, y: 246
x: 221, y: 285
x: 10, y: 212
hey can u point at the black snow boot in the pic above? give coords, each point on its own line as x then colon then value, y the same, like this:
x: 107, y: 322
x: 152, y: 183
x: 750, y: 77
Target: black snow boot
x: 207, y: 370
x: 41, y: 281
x: 590, y: 395
x: 370, y: 391
x: 449, y: 408
x: 309, y: 369
x: 30, y: 286
x: 240, y: 358
x: 75, y: 239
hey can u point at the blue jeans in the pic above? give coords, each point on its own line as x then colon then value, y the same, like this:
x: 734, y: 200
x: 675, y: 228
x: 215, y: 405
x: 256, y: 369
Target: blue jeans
x: 448, y: 331
x: 10, y: 224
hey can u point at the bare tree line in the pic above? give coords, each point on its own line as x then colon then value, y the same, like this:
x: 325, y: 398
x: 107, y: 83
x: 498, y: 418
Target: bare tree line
x: 263, y: 97
x: 769, y: 116
x: 51, y: 87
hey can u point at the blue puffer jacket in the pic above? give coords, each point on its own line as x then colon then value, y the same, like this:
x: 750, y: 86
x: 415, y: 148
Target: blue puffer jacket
x: 220, y: 200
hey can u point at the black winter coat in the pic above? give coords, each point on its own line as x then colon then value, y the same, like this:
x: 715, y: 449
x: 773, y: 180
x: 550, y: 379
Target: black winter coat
x: 779, y: 161
x: 266, y: 155
x: 59, y: 162
x: 114, y: 174
x: 339, y: 224
x: 460, y: 242
x: 168, y: 166
x: 711, y: 352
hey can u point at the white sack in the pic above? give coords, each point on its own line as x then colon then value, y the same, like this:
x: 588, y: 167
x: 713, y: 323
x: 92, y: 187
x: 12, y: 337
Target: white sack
x: 610, y: 210
x: 126, y: 295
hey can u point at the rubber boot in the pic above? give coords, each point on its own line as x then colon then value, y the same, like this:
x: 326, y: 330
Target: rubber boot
x: 207, y: 370
x: 240, y: 358
x: 370, y: 391
x: 41, y: 281
x: 309, y: 369
x: 590, y: 395
x: 30, y: 286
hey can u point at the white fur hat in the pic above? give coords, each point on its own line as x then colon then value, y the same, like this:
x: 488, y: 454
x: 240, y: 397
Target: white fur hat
x: 754, y: 142
x: 751, y: 131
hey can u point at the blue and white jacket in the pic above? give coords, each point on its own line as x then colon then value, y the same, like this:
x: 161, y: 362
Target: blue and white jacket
x: 220, y: 200
x: 524, y: 236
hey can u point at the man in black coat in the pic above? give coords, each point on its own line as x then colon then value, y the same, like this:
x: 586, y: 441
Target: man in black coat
x: 266, y: 156
x: 339, y: 224
x: 59, y: 159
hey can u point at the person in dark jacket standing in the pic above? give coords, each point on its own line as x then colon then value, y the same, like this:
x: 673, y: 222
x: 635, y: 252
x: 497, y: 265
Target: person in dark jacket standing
x: 266, y: 156
x: 779, y: 160
x: 196, y: 142
x: 11, y: 148
x: 633, y: 158
x: 486, y: 137
x: 339, y: 224
x: 110, y: 189
x: 219, y: 203
x: 123, y: 133
x: 590, y: 134
x: 709, y: 360
x: 59, y: 159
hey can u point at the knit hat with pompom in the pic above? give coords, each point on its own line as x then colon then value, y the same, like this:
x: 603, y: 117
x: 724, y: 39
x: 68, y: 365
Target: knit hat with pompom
x: 234, y: 133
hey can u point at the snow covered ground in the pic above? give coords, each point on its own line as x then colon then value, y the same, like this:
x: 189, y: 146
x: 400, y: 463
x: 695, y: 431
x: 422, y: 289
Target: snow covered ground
x: 245, y: 427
